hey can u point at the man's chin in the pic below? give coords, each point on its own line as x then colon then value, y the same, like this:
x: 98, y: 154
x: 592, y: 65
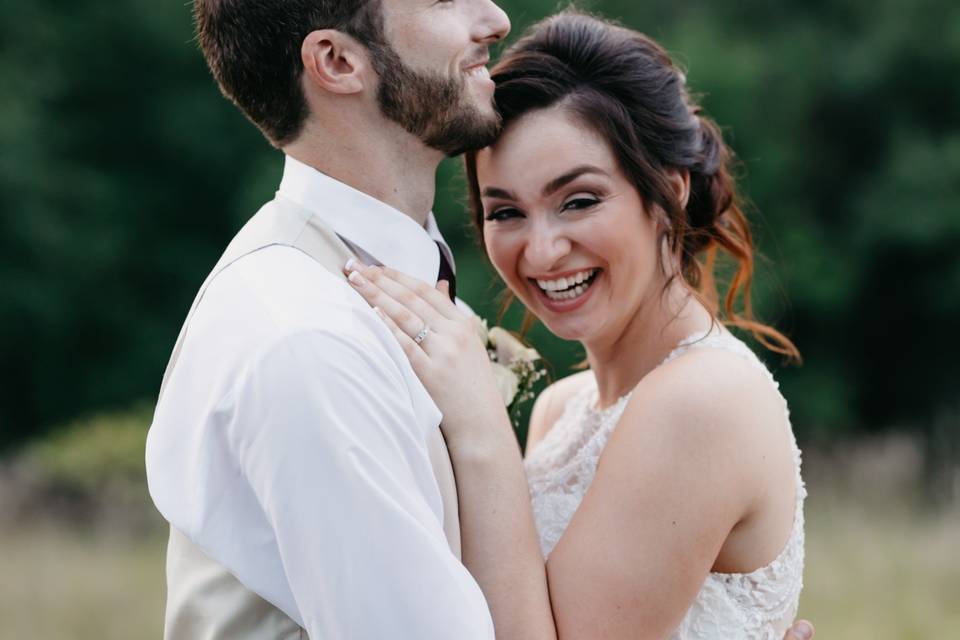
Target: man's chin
x: 470, y: 144
x: 466, y: 134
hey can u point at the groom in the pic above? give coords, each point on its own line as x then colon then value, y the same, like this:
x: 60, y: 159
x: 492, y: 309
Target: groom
x: 294, y: 452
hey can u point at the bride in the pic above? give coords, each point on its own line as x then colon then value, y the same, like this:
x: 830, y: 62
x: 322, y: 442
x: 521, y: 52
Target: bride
x: 661, y: 493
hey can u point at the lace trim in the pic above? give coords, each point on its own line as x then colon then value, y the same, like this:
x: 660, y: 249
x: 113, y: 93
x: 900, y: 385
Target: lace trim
x: 561, y: 468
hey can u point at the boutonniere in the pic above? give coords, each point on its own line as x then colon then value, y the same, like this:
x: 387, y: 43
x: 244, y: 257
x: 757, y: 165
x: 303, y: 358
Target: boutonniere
x: 516, y: 367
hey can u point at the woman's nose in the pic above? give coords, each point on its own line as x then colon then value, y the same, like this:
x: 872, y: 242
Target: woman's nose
x: 546, y: 248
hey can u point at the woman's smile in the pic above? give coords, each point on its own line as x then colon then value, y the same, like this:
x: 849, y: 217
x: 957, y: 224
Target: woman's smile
x: 567, y: 291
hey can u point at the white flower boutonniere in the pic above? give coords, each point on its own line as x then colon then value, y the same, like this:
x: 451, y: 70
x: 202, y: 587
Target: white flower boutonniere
x: 516, y: 367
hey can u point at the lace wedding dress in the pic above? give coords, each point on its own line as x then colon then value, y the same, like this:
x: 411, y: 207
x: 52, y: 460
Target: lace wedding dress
x: 759, y: 604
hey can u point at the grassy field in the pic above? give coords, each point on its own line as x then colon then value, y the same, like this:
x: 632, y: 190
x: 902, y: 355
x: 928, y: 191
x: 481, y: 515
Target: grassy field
x: 64, y: 585
x: 882, y: 553
x: 882, y: 563
x: 869, y: 576
x: 882, y: 576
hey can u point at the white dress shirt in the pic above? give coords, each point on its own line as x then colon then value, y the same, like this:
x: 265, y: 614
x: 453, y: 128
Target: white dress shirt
x: 290, y: 441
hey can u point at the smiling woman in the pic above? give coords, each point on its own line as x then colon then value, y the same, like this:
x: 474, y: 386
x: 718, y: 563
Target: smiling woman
x: 582, y: 134
x: 570, y: 233
x: 648, y: 138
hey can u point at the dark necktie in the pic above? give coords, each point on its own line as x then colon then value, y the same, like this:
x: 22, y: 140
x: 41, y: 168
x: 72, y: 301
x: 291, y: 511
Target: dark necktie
x: 446, y: 273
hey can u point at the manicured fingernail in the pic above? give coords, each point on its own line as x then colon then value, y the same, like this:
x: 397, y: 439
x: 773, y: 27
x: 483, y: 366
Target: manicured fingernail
x: 356, y: 278
x: 803, y: 630
x: 351, y: 265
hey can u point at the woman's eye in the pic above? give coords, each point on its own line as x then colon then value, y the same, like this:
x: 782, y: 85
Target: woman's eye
x: 580, y: 203
x: 503, y: 213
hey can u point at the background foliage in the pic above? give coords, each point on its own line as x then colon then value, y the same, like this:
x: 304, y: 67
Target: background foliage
x: 124, y: 174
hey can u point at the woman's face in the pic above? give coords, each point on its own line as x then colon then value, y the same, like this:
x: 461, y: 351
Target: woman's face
x: 566, y: 229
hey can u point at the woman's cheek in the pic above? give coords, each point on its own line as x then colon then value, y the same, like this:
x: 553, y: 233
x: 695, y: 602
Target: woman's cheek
x: 501, y: 252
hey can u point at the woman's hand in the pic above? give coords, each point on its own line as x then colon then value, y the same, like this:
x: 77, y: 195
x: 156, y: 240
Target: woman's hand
x: 500, y: 546
x: 443, y: 347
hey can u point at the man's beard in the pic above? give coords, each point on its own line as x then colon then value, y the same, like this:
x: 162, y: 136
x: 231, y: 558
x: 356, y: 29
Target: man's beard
x: 433, y: 108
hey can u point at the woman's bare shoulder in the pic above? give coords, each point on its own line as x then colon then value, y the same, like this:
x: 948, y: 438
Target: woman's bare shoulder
x: 713, y: 388
x: 550, y: 405
x: 712, y: 413
x: 716, y: 420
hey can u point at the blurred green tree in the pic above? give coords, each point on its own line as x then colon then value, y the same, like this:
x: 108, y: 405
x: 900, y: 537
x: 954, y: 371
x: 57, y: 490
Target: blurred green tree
x: 124, y: 174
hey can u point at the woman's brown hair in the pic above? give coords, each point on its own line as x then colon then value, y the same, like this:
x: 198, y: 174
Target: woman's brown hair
x: 625, y: 86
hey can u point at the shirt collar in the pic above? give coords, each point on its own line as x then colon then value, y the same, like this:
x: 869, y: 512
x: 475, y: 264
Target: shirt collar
x: 388, y: 235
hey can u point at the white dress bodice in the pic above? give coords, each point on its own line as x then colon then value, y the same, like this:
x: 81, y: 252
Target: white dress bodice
x: 760, y: 604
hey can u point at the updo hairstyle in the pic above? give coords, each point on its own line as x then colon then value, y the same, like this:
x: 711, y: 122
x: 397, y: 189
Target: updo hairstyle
x: 625, y: 86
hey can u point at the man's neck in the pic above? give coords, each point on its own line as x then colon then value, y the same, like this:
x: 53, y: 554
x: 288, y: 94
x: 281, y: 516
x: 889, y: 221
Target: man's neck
x: 395, y: 169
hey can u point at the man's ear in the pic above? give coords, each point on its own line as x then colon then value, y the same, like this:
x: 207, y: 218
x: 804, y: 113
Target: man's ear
x: 334, y: 61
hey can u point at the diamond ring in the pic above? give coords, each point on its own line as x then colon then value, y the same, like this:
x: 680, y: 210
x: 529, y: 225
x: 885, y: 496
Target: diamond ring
x: 422, y: 335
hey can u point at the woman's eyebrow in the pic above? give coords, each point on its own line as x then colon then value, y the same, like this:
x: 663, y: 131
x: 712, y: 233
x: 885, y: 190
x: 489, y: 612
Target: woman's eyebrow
x: 497, y: 192
x: 560, y: 181
x: 550, y: 187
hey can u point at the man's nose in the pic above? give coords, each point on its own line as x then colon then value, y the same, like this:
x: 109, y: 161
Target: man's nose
x: 495, y: 23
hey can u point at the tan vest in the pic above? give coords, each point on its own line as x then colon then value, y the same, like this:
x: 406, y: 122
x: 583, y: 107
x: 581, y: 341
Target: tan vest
x: 204, y: 600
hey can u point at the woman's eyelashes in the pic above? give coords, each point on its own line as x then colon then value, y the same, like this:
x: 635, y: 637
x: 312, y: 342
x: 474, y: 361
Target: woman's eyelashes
x: 578, y: 202
x: 502, y: 213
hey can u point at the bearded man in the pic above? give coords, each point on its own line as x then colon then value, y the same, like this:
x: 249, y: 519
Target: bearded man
x: 294, y: 452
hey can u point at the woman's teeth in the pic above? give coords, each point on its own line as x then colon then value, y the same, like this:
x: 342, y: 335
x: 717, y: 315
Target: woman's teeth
x: 569, y: 287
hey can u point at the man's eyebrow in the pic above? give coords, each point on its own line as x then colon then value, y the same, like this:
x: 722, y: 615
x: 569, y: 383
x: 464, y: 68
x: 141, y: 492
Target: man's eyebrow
x: 560, y: 181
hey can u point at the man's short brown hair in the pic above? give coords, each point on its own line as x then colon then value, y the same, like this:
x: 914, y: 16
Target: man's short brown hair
x: 253, y: 50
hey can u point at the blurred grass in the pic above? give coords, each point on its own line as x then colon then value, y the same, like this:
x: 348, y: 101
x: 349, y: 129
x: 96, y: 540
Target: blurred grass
x: 83, y: 553
x: 60, y: 583
x: 882, y: 542
x: 875, y: 575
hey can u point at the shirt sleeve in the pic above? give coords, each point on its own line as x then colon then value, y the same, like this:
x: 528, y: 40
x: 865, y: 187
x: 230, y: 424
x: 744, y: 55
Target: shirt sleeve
x: 329, y: 439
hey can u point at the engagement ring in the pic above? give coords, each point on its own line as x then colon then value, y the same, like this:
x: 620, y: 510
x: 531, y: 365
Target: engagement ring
x: 422, y: 335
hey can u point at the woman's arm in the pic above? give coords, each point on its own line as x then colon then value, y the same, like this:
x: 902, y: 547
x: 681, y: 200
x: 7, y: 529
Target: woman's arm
x: 498, y: 536
x: 499, y: 540
x: 668, y: 489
